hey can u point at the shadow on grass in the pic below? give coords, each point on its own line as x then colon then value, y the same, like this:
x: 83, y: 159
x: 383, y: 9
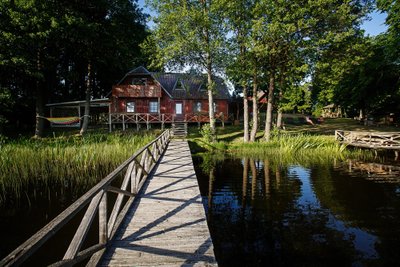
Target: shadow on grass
x: 330, y: 125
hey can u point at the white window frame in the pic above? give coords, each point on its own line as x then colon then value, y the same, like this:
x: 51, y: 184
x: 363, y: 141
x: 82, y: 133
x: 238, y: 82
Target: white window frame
x: 176, y: 108
x: 153, y: 107
x: 130, y: 106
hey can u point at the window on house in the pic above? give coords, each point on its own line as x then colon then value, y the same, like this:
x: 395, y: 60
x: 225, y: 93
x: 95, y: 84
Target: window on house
x: 153, y: 107
x: 197, y: 107
x: 179, y: 86
x: 215, y: 106
x: 130, y: 106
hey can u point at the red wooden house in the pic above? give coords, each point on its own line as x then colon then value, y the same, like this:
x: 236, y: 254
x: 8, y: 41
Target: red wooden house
x: 153, y: 97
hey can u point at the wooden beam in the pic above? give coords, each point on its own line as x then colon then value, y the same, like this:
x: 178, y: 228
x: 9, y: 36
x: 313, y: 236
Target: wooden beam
x: 83, y: 228
x: 120, y: 191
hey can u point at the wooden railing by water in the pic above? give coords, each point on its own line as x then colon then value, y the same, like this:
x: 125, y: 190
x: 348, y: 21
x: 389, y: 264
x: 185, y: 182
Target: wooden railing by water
x: 373, y: 140
x: 134, y: 172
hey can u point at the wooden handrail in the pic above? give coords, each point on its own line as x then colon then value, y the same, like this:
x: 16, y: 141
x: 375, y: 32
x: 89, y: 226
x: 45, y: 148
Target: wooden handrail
x: 378, y: 140
x: 136, y: 172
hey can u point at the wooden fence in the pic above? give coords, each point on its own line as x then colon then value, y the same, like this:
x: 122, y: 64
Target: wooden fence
x: 374, y: 140
x: 135, y: 171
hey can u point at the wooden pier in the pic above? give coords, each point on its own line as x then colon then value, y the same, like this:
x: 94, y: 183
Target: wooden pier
x: 167, y: 225
x: 371, y: 140
x: 156, y: 219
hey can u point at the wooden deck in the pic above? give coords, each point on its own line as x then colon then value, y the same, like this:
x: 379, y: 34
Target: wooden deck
x: 166, y: 226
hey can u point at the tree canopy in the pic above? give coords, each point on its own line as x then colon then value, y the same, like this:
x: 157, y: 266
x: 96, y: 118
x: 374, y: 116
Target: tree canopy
x: 46, y: 46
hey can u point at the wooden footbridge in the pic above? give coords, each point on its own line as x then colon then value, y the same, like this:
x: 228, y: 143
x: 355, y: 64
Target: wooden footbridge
x: 157, y: 217
x: 371, y: 140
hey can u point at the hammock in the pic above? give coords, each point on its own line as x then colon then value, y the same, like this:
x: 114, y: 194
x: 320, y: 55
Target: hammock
x: 63, y: 120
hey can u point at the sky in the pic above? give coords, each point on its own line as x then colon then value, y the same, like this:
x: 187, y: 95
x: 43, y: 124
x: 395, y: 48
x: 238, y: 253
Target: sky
x: 376, y: 25
x: 372, y: 27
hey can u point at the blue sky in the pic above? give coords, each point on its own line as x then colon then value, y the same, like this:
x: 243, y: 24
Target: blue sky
x: 374, y: 26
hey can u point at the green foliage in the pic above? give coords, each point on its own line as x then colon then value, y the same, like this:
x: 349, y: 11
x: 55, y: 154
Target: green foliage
x: 392, y: 7
x: 6, y: 104
x: 46, y: 46
x: 206, y: 133
x: 66, y: 161
x: 188, y: 33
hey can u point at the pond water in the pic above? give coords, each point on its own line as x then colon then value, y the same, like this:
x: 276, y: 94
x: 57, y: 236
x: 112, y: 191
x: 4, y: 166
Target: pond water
x: 267, y: 213
x: 261, y: 212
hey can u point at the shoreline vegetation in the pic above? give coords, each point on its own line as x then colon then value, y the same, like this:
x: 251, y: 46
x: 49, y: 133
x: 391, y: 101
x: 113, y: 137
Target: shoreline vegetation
x: 297, y: 143
x: 67, y: 161
x: 70, y: 161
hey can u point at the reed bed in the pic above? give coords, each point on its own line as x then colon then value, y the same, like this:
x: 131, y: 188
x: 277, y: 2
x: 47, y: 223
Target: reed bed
x: 70, y: 161
x: 290, y: 148
x: 299, y: 147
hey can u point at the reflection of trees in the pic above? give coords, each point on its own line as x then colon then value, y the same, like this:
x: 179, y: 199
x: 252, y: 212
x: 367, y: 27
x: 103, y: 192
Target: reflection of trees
x: 257, y: 218
x: 245, y: 178
x: 363, y: 203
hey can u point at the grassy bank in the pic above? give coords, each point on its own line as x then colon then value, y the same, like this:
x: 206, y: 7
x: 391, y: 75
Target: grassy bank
x: 306, y: 142
x: 64, y: 161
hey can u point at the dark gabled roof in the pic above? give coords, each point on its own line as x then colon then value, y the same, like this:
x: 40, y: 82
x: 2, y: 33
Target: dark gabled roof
x: 139, y: 70
x: 183, y: 85
x: 194, y: 86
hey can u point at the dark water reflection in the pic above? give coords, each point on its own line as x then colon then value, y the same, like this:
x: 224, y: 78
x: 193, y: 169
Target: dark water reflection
x: 262, y: 212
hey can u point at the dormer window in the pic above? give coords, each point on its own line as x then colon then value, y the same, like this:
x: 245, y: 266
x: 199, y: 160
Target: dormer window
x: 202, y: 88
x: 179, y: 86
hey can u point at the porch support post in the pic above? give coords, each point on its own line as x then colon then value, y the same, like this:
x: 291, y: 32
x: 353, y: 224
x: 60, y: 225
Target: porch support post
x: 109, y: 122
x: 147, y: 121
x: 79, y: 115
x: 123, y: 122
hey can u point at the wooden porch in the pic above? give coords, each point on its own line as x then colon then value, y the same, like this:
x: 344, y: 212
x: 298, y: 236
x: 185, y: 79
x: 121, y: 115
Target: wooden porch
x: 166, y: 118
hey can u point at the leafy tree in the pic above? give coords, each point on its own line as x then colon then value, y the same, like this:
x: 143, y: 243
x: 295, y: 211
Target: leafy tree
x: 392, y: 7
x: 51, y: 45
x: 238, y: 14
x: 6, y: 104
x: 373, y: 85
x: 190, y: 33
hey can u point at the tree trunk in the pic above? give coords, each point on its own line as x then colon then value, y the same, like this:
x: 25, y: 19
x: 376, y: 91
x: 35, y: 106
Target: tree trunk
x: 87, y: 101
x: 279, y: 119
x: 245, y: 115
x: 281, y: 82
x: 361, y: 114
x: 211, y: 103
x: 279, y: 116
x: 268, y: 121
x: 40, y: 100
x: 254, y: 127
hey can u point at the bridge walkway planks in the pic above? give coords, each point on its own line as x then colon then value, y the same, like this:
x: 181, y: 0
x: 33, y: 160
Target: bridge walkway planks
x: 167, y: 224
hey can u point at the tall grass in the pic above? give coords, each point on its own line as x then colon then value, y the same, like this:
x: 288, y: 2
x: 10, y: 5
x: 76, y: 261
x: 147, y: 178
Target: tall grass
x: 294, y: 148
x: 63, y: 161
